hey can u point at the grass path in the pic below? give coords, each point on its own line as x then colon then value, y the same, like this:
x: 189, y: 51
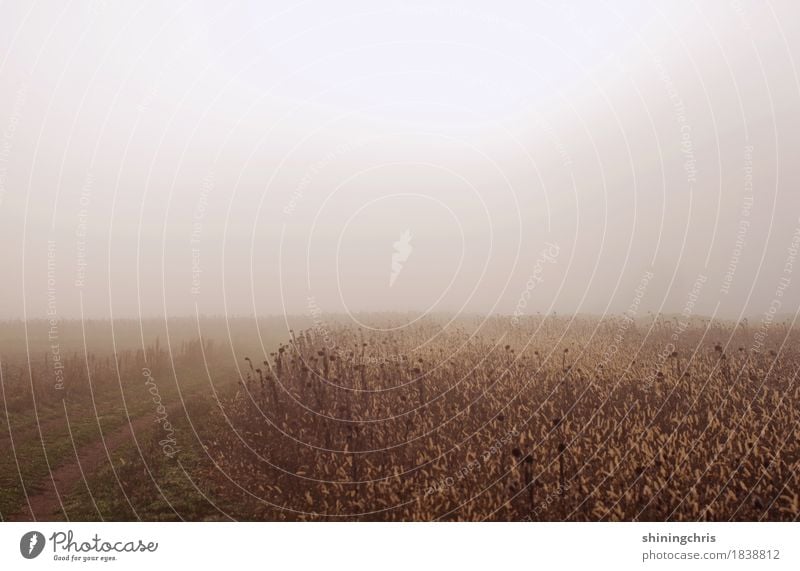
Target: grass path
x: 45, y: 503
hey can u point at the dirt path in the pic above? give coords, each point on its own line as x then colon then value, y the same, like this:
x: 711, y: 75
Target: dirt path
x: 44, y: 502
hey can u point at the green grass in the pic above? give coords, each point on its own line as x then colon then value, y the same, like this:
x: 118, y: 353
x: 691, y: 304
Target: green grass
x: 167, y: 489
x: 30, y: 448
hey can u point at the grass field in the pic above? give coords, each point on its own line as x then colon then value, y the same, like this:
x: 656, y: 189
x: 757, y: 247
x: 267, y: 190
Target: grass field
x: 542, y: 418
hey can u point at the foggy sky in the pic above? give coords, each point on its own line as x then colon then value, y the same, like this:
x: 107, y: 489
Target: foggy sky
x: 172, y: 159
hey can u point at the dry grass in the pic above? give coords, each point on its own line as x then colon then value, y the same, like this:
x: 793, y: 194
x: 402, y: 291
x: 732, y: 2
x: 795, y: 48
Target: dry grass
x: 542, y: 421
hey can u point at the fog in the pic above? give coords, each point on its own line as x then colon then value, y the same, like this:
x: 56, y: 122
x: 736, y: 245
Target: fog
x: 355, y: 157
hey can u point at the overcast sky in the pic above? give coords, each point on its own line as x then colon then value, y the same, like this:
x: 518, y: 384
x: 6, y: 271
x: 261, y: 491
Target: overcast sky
x: 366, y: 156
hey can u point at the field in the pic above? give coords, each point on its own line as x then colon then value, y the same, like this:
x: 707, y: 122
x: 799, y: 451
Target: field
x: 542, y: 418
